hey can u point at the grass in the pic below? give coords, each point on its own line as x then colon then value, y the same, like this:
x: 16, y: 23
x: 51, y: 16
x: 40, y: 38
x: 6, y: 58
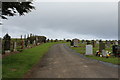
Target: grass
x: 82, y: 49
x: 113, y: 60
x: 15, y: 66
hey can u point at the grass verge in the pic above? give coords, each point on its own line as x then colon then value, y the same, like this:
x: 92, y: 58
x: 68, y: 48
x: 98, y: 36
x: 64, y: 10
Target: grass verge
x: 81, y: 49
x: 15, y: 66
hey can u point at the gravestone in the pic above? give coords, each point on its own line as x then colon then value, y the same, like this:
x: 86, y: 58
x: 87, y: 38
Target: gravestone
x: 116, y: 42
x: 116, y: 50
x: 71, y: 43
x: 104, y: 53
x: 89, y: 50
x: 14, y: 46
x: 22, y: 44
x: 108, y: 43
x: 6, y: 44
x: 101, y: 46
x: 34, y: 42
x: 87, y: 42
x: 26, y: 43
x: 75, y: 42
x: 93, y: 43
x: 97, y: 42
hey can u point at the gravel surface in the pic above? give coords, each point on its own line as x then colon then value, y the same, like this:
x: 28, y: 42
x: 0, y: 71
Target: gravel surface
x: 61, y: 62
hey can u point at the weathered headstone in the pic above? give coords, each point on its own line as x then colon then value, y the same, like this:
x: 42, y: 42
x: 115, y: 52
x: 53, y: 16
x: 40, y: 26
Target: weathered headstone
x: 22, y: 44
x: 89, y: 50
x: 71, y: 43
x: 82, y: 41
x: 93, y: 43
x: 116, y: 42
x: 97, y: 42
x: 101, y: 46
x: 7, y: 43
x: 87, y: 42
x: 26, y: 43
x: 104, y: 53
x: 108, y: 43
x: 75, y: 42
x: 34, y: 42
x: 14, y: 46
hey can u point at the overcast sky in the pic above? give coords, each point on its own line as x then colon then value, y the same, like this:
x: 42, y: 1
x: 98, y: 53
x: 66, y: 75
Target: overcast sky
x: 83, y: 20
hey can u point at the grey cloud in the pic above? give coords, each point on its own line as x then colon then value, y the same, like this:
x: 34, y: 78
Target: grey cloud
x: 74, y: 19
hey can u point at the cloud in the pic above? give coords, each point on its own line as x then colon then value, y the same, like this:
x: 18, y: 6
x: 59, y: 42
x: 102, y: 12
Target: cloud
x: 87, y: 20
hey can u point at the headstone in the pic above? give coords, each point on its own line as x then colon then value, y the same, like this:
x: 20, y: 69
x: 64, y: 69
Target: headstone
x: 89, y: 50
x: 82, y: 41
x: 87, y: 42
x: 108, y: 43
x: 101, y: 46
x: 104, y: 53
x: 75, y: 42
x: 93, y: 43
x: 97, y: 42
x: 6, y: 44
x: 22, y: 44
x: 26, y: 43
x: 71, y: 43
x: 116, y: 50
x: 14, y: 46
x: 34, y: 42
x: 116, y: 43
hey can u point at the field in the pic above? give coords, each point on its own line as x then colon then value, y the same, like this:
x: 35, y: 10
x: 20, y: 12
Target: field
x: 15, y: 66
x: 81, y: 49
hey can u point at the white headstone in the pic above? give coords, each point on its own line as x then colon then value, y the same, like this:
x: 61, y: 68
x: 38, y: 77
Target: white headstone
x: 89, y: 50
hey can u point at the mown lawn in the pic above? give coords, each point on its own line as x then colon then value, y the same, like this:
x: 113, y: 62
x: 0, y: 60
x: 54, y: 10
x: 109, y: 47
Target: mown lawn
x: 15, y: 66
x: 82, y: 49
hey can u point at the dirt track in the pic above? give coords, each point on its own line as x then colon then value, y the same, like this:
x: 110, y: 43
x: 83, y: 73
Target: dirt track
x: 61, y: 62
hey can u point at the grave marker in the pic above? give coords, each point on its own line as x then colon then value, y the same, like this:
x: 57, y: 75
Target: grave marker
x: 75, y: 42
x: 6, y: 44
x: 101, y: 46
x: 14, y: 46
x: 89, y: 50
x: 116, y: 50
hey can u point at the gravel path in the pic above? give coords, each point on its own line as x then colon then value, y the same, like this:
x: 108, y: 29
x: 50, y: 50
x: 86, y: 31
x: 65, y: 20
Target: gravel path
x: 61, y: 62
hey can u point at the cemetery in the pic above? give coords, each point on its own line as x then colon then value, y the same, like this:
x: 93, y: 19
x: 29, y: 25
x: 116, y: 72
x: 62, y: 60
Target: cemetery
x: 53, y: 53
x: 107, y: 51
x: 18, y: 52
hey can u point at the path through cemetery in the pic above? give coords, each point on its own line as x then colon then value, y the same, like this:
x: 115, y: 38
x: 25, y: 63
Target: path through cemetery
x: 60, y: 62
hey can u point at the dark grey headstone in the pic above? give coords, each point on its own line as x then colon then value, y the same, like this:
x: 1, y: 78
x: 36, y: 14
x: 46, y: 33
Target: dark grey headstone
x: 101, y: 46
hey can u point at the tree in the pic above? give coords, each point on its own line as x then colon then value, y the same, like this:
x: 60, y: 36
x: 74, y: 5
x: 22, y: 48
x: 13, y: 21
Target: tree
x: 14, y: 8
